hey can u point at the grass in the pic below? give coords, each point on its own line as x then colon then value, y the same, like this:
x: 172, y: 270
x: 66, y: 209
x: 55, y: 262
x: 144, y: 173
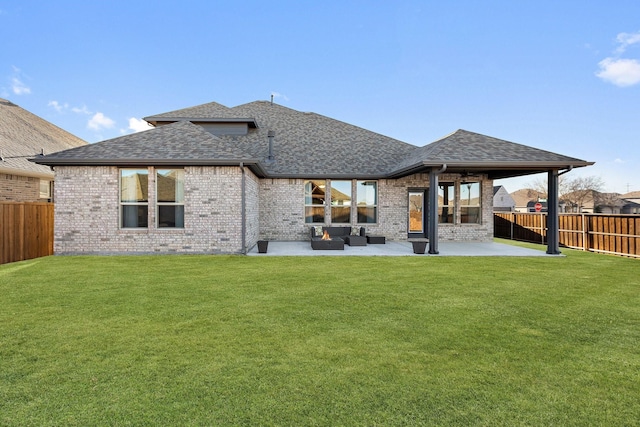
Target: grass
x: 232, y: 340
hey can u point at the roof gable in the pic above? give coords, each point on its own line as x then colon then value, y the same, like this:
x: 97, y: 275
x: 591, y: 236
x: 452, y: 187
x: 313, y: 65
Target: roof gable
x: 469, y: 150
x: 203, y: 111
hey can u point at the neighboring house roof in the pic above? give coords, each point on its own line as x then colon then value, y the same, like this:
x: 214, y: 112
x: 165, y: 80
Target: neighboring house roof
x: 631, y: 196
x: 310, y: 145
x: 523, y: 196
x: 24, y: 135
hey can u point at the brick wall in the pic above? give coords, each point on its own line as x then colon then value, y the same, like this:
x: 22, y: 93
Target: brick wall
x: 19, y: 188
x: 87, y: 213
x: 393, y: 195
x: 282, y: 210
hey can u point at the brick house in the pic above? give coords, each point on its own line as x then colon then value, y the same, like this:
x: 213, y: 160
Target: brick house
x: 24, y: 135
x: 214, y: 179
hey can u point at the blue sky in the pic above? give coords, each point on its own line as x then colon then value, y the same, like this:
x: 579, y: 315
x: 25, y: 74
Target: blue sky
x: 562, y: 76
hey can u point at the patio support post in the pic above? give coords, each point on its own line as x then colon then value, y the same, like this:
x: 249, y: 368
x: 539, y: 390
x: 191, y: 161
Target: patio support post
x: 432, y: 223
x: 553, y: 223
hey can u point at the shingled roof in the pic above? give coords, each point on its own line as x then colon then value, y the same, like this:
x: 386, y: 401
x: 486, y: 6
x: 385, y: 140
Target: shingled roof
x: 306, y: 145
x: 464, y: 151
x: 23, y: 135
x: 179, y: 143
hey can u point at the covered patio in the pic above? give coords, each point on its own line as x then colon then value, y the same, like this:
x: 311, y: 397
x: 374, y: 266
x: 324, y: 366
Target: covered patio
x: 402, y: 248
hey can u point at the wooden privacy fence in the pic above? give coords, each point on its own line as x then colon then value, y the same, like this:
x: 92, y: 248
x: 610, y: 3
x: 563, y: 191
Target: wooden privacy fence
x: 604, y: 233
x: 26, y: 231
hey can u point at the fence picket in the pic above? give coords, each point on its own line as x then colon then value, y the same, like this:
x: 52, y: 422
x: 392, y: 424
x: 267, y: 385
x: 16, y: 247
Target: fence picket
x: 26, y: 230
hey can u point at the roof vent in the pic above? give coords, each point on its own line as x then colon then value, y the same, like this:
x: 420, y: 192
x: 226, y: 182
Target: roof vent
x: 270, y: 135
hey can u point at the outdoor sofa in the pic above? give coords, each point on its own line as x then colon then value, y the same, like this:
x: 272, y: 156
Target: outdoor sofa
x: 352, y: 236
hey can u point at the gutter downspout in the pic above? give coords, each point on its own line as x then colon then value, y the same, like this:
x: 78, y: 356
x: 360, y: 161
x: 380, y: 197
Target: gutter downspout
x: 433, y: 209
x: 569, y: 169
x: 243, y: 212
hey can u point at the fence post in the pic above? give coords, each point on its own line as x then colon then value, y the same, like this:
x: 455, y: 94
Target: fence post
x: 585, y: 234
x: 513, y: 219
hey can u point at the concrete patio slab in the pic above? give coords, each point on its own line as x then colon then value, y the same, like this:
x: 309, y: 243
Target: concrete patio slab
x: 401, y: 248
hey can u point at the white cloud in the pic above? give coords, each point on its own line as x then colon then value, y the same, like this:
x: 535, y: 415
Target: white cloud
x: 138, y: 125
x: 625, y: 40
x: 57, y: 106
x: 99, y: 121
x: 618, y: 160
x: 19, y: 88
x: 620, y: 72
x: 81, y: 110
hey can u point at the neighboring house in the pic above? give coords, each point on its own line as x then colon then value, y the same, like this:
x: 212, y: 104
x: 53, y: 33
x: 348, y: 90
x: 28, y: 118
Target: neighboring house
x: 502, y: 200
x: 24, y: 135
x: 633, y: 197
x: 592, y: 201
x: 526, y: 198
x: 631, y: 203
x: 631, y: 208
x: 214, y: 179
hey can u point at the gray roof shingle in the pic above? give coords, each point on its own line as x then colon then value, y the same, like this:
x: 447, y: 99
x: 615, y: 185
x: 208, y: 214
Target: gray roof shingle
x: 463, y: 149
x: 305, y: 145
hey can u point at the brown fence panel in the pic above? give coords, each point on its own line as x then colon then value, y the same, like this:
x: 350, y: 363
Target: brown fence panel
x: 604, y: 233
x: 530, y: 227
x: 572, y: 230
x: 502, y: 225
x: 26, y: 231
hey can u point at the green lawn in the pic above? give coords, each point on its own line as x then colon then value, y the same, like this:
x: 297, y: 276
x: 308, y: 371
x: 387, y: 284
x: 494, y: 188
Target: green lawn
x: 233, y: 340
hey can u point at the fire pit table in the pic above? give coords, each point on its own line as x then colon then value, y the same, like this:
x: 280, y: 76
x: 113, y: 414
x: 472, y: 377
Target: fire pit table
x: 334, y: 244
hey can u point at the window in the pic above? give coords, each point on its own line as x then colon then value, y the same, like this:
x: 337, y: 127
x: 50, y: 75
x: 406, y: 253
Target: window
x: 446, y: 202
x: 170, y: 196
x: 45, y: 189
x: 470, y: 203
x: 340, y: 202
x: 367, y: 202
x: 314, y: 201
x: 134, y: 198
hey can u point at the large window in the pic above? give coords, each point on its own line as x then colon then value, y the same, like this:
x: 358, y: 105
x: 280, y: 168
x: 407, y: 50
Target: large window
x: 170, y: 197
x: 470, y: 202
x: 314, y: 201
x: 134, y: 198
x: 446, y: 202
x: 367, y: 202
x: 340, y: 202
